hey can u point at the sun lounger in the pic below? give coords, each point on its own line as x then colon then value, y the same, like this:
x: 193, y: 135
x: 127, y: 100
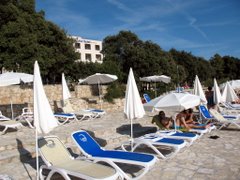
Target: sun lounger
x: 64, y: 118
x: 91, y: 149
x: 97, y: 113
x: 80, y: 114
x: 57, y: 159
x: 188, y: 136
x: 12, y: 124
x: 3, y: 118
x: 206, y: 115
x: 27, y: 116
x: 223, y: 121
x: 156, y: 143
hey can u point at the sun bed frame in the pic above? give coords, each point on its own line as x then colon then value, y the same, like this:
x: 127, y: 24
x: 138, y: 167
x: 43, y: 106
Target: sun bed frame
x: 57, y: 159
x: 92, y: 150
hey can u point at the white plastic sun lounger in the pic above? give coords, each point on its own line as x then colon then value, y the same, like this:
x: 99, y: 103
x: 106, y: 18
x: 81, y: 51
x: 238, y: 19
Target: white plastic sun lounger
x: 91, y: 149
x: 57, y: 159
x: 3, y: 118
x: 188, y: 136
x: 64, y: 118
x: 225, y: 122
x: 27, y: 116
x: 12, y: 124
x: 156, y: 143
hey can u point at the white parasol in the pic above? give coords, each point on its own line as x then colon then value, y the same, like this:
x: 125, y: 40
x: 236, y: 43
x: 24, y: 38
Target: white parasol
x: 217, y: 97
x: 44, y: 120
x: 198, y: 90
x: 12, y: 78
x: 155, y: 79
x: 235, y: 84
x: 65, y: 91
x: 133, y: 107
x: 173, y: 103
x: 229, y: 94
x: 99, y: 79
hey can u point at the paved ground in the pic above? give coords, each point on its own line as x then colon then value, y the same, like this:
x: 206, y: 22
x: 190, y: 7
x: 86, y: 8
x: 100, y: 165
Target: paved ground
x: 207, y: 158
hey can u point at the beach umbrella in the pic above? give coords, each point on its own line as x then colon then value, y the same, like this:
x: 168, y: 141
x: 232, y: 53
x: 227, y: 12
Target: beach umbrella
x: 198, y: 90
x: 65, y: 91
x: 217, y: 97
x: 235, y: 84
x: 44, y: 120
x: 133, y: 107
x: 155, y: 79
x: 13, y: 78
x: 99, y: 79
x: 229, y: 94
x: 173, y: 103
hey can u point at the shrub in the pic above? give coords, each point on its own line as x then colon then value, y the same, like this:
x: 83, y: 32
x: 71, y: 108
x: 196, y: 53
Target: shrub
x: 115, y: 90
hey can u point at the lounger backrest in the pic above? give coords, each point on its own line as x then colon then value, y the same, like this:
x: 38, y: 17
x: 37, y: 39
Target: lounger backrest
x: 86, y: 143
x: 146, y: 97
x: 53, y: 151
x: 217, y: 115
x: 204, y: 111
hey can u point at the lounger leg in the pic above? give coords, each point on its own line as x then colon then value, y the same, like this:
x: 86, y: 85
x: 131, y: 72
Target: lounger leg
x: 5, y: 129
x: 150, y: 146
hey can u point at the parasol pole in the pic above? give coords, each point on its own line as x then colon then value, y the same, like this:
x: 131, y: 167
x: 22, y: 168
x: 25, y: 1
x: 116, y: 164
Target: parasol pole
x: 12, y: 109
x: 131, y: 135
x: 37, y: 160
x: 178, y: 86
x: 155, y: 89
x: 99, y: 93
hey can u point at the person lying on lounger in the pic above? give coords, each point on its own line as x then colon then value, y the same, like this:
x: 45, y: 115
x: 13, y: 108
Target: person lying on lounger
x: 184, y: 121
x: 164, y: 122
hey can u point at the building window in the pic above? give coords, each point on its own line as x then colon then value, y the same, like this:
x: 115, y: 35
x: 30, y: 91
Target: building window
x: 88, y: 57
x: 98, y: 57
x: 97, y: 47
x: 87, y: 46
x: 77, y: 45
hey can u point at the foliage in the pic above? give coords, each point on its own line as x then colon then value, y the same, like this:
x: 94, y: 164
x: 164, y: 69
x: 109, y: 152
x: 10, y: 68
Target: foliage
x: 25, y: 36
x: 115, y: 90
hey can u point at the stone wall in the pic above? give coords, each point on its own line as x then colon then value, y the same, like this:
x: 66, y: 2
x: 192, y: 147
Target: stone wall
x: 83, y: 96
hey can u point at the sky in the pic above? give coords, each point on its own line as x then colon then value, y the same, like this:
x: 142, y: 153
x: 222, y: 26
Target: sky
x: 201, y: 27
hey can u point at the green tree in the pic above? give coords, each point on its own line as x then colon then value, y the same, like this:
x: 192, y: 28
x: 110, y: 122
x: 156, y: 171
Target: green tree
x: 25, y: 36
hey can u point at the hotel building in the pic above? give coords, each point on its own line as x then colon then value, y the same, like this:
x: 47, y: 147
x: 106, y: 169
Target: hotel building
x: 89, y: 50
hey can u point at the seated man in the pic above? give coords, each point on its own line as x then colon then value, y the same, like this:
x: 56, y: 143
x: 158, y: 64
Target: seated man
x: 190, y: 118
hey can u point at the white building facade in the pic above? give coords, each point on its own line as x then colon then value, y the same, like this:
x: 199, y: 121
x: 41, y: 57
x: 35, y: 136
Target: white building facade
x: 89, y: 50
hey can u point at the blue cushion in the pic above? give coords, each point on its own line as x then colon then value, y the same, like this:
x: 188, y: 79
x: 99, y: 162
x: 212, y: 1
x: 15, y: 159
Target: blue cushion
x: 125, y: 155
x: 184, y: 134
x: 205, y: 112
x: 64, y: 114
x: 229, y: 117
x: 96, y: 110
x: 146, y: 97
x: 171, y: 141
